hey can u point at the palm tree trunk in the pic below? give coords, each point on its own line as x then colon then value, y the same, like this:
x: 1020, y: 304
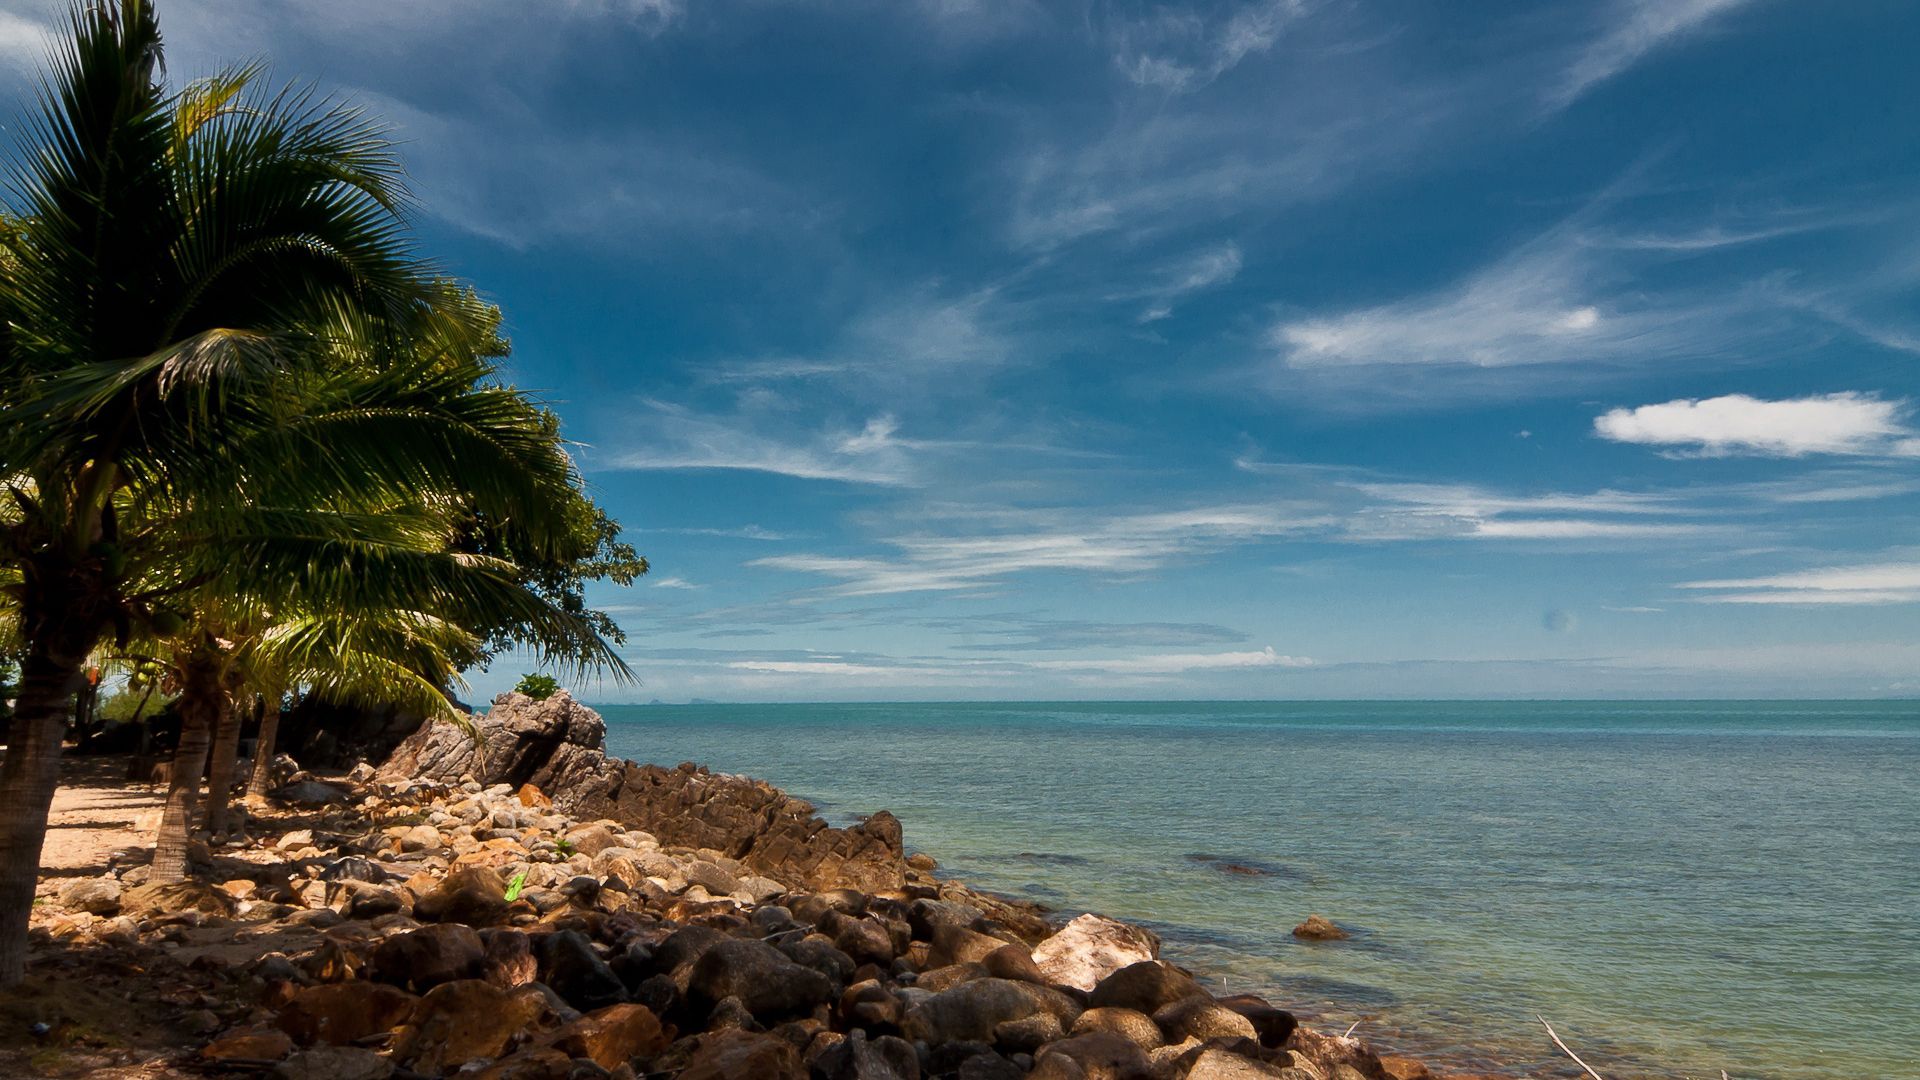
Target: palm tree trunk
x: 226, y: 749
x: 28, y: 775
x: 200, y: 703
x: 262, y: 778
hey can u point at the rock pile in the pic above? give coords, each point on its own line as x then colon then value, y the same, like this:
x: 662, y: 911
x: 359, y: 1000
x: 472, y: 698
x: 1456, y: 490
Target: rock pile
x: 423, y: 926
x: 557, y: 745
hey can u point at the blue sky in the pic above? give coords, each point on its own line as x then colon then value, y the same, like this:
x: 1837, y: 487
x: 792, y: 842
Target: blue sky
x: 1275, y: 348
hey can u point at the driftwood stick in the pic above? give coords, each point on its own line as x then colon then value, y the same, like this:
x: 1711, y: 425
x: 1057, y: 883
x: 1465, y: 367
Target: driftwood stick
x: 1350, y: 1027
x: 1565, y: 1049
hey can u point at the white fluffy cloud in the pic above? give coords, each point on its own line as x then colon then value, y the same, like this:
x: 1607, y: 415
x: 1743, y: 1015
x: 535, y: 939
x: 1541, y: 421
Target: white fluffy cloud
x: 1845, y: 423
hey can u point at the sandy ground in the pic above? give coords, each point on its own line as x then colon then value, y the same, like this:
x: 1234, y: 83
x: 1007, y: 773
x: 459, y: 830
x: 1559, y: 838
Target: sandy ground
x: 96, y: 811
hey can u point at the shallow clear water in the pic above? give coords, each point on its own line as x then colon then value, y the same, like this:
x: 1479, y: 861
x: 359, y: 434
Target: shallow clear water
x: 1681, y: 887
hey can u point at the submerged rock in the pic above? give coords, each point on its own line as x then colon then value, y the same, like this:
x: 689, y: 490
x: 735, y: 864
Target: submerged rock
x: 1319, y: 928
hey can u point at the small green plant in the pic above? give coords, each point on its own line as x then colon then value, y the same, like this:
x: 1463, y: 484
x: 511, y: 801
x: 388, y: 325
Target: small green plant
x: 537, y: 687
x: 516, y: 886
x: 564, y: 846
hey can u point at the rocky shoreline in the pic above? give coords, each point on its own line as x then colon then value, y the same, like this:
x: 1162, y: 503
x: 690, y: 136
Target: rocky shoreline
x: 512, y: 904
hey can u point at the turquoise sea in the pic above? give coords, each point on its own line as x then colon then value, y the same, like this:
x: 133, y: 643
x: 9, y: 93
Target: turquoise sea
x: 1680, y: 887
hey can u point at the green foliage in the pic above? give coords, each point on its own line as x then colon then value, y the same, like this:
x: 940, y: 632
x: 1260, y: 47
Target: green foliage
x: 564, y: 846
x: 120, y: 707
x: 537, y: 687
x: 516, y: 886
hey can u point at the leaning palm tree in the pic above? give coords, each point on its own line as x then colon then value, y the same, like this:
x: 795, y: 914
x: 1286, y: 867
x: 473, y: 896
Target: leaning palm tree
x: 165, y: 259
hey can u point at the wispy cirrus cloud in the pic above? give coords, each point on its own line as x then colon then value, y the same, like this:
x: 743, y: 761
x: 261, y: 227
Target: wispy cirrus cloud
x: 1867, y: 584
x: 1634, y: 29
x: 1182, y: 50
x: 683, y: 439
x: 1842, y: 423
x: 1171, y: 663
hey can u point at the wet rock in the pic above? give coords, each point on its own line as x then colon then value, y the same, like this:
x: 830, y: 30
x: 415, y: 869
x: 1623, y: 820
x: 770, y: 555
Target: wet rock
x: 1136, y: 1027
x: 766, y: 981
x: 429, y: 956
x: 1145, y: 987
x: 612, y: 1036
x: 95, y: 896
x: 474, y: 895
x: 1200, y: 1017
x: 1274, y: 1026
x: 1327, y: 1053
x: 1319, y: 928
x: 458, y: 1022
x: 343, y: 1012
x: 1092, y: 947
x: 569, y: 964
x: 743, y: 1055
x: 1400, y: 1067
x: 334, y: 1063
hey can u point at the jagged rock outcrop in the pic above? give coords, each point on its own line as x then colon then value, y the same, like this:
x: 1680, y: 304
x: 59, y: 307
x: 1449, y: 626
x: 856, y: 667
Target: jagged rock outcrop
x: 557, y: 745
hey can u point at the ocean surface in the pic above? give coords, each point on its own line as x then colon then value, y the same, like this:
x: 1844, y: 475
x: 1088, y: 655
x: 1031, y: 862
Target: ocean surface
x: 1680, y: 887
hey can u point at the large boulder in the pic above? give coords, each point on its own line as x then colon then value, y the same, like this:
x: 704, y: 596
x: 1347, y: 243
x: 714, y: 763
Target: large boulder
x: 422, y: 959
x: 519, y: 741
x: 743, y: 1055
x: 614, y: 1035
x: 759, y: 976
x: 95, y: 896
x: 343, y: 1012
x: 988, y: 1011
x: 1092, y: 947
x: 1147, y: 987
x: 458, y: 1022
x: 569, y: 964
x: 474, y: 895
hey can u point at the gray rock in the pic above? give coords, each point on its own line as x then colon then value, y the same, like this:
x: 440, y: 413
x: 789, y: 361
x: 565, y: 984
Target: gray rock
x: 334, y: 1063
x: 575, y: 971
x: 973, y: 1011
x: 96, y: 896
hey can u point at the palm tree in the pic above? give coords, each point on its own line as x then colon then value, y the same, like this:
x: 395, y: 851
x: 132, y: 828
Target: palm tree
x: 183, y: 274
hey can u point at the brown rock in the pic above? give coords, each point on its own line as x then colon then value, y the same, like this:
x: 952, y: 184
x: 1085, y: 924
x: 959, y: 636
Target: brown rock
x: 1099, y: 1055
x: 1136, y: 1027
x: 1318, y: 928
x: 1400, y: 1067
x: 1200, y: 1017
x: 252, y: 1044
x: 175, y: 897
x: 457, y: 1022
x: 429, y: 956
x: 509, y: 958
x: 959, y: 945
x: 1225, y: 1065
x: 475, y: 895
x: 1327, y: 1053
x: 533, y: 796
x: 1014, y: 962
x: 614, y: 1035
x: 743, y: 1055
x: 532, y: 1063
x: 1145, y: 987
x: 343, y: 1012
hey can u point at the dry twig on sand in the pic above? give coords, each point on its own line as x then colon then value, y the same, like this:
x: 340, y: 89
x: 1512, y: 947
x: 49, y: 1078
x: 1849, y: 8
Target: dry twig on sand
x: 1565, y: 1049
